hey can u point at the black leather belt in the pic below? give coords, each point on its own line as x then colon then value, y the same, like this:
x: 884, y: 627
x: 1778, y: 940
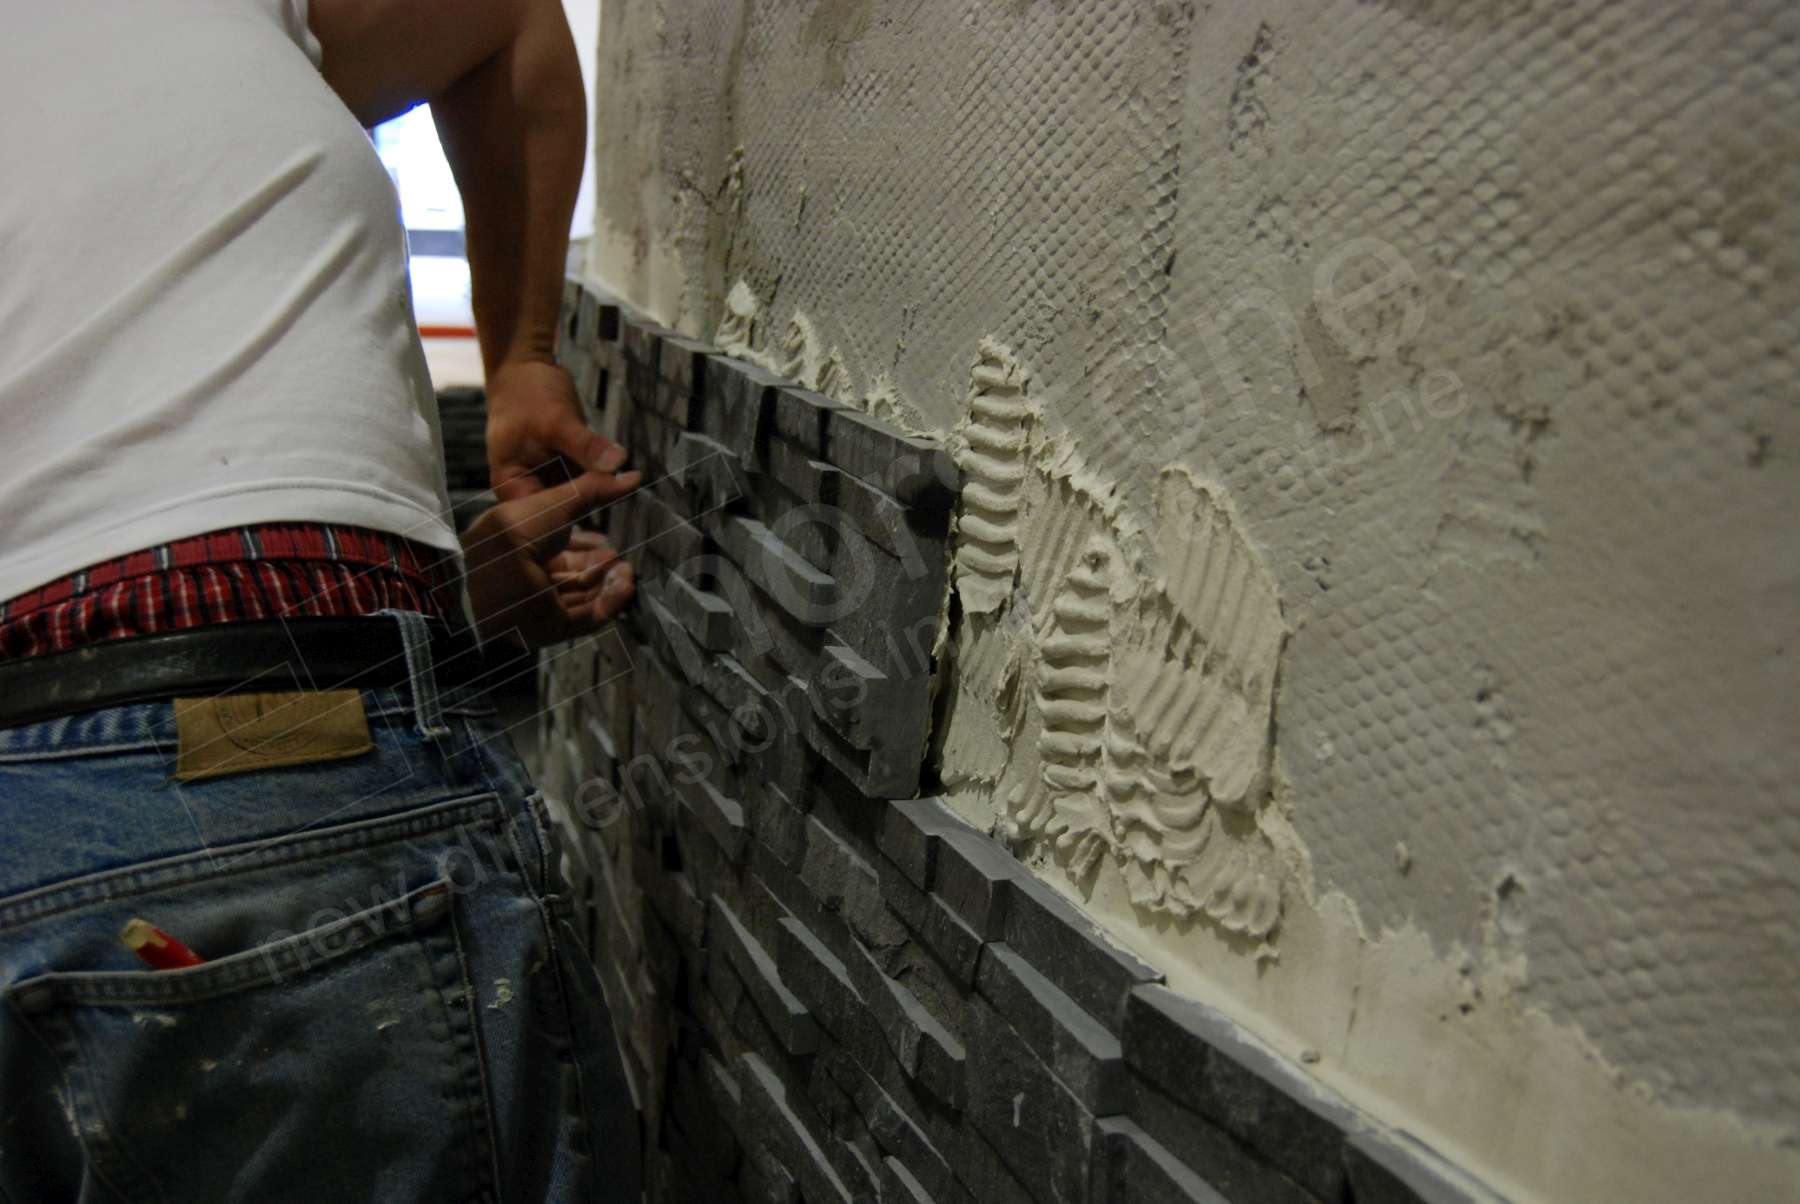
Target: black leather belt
x: 259, y: 655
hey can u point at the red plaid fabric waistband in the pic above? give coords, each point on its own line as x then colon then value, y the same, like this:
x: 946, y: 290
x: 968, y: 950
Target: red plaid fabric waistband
x: 266, y: 571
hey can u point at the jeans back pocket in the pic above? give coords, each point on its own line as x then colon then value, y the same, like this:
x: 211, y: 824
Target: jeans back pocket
x: 225, y: 1081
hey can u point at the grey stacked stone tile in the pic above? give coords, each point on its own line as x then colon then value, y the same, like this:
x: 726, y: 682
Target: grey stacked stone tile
x: 1085, y: 1058
x: 1040, y: 1130
x: 770, y: 1114
x: 462, y: 419
x: 825, y: 986
x: 1131, y: 1167
x: 1068, y: 948
x: 955, y: 945
x: 790, y: 1020
x: 1400, y: 1169
x: 1206, y: 1067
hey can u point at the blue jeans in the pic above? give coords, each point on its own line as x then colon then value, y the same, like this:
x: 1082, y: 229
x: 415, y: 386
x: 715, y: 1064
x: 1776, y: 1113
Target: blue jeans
x: 393, y: 1006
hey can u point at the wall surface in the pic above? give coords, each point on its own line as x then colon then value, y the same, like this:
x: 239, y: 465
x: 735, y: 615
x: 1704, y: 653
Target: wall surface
x: 1374, y: 584
x: 823, y: 987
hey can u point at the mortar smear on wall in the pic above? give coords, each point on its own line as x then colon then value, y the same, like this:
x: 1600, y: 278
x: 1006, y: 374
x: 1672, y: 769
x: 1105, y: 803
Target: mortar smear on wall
x: 800, y: 356
x: 797, y: 356
x: 992, y: 451
x: 1139, y: 673
x: 1147, y: 705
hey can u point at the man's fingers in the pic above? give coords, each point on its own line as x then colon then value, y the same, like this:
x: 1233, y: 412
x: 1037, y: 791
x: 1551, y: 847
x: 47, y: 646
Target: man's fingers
x: 512, y: 482
x: 587, y: 545
x: 582, y: 537
x: 583, y: 566
x: 586, y: 446
x: 575, y: 450
x: 540, y: 522
x: 574, y: 499
x: 615, y: 592
x: 594, y: 566
x: 618, y: 484
x: 589, y: 608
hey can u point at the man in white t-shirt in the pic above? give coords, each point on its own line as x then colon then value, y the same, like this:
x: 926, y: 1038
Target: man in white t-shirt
x: 279, y: 918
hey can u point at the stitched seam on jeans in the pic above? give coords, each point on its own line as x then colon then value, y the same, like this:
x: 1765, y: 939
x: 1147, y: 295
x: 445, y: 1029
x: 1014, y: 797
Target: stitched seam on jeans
x: 483, y: 1093
x: 148, y: 744
x: 68, y: 752
x: 565, y: 989
x: 70, y: 1057
x: 44, y: 901
x: 250, y: 969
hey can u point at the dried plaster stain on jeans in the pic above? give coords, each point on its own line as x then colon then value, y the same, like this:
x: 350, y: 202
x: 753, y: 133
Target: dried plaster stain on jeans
x: 159, y: 1019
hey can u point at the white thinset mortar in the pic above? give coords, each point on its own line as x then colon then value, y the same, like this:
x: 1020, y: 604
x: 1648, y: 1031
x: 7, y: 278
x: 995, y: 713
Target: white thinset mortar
x: 1456, y: 340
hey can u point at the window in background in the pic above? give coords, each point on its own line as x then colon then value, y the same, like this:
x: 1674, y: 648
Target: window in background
x: 431, y: 210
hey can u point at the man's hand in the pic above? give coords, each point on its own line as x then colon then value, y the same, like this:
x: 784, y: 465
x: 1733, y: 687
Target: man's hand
x: 535, y: 433
x: 533, y: 576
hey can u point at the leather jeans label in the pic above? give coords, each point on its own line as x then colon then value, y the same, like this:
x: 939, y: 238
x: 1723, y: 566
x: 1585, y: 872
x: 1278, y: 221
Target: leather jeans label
x: 237, y: 733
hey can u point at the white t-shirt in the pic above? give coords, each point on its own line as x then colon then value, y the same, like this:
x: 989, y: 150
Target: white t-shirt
x: 204, y: 314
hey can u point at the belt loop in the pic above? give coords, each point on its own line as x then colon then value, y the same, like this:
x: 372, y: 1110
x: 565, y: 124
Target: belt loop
x: 415, y: 637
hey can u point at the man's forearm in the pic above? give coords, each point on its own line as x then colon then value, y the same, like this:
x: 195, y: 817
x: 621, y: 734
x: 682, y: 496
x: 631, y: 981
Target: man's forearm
x: 505, y: 87
x: 514, y: 130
